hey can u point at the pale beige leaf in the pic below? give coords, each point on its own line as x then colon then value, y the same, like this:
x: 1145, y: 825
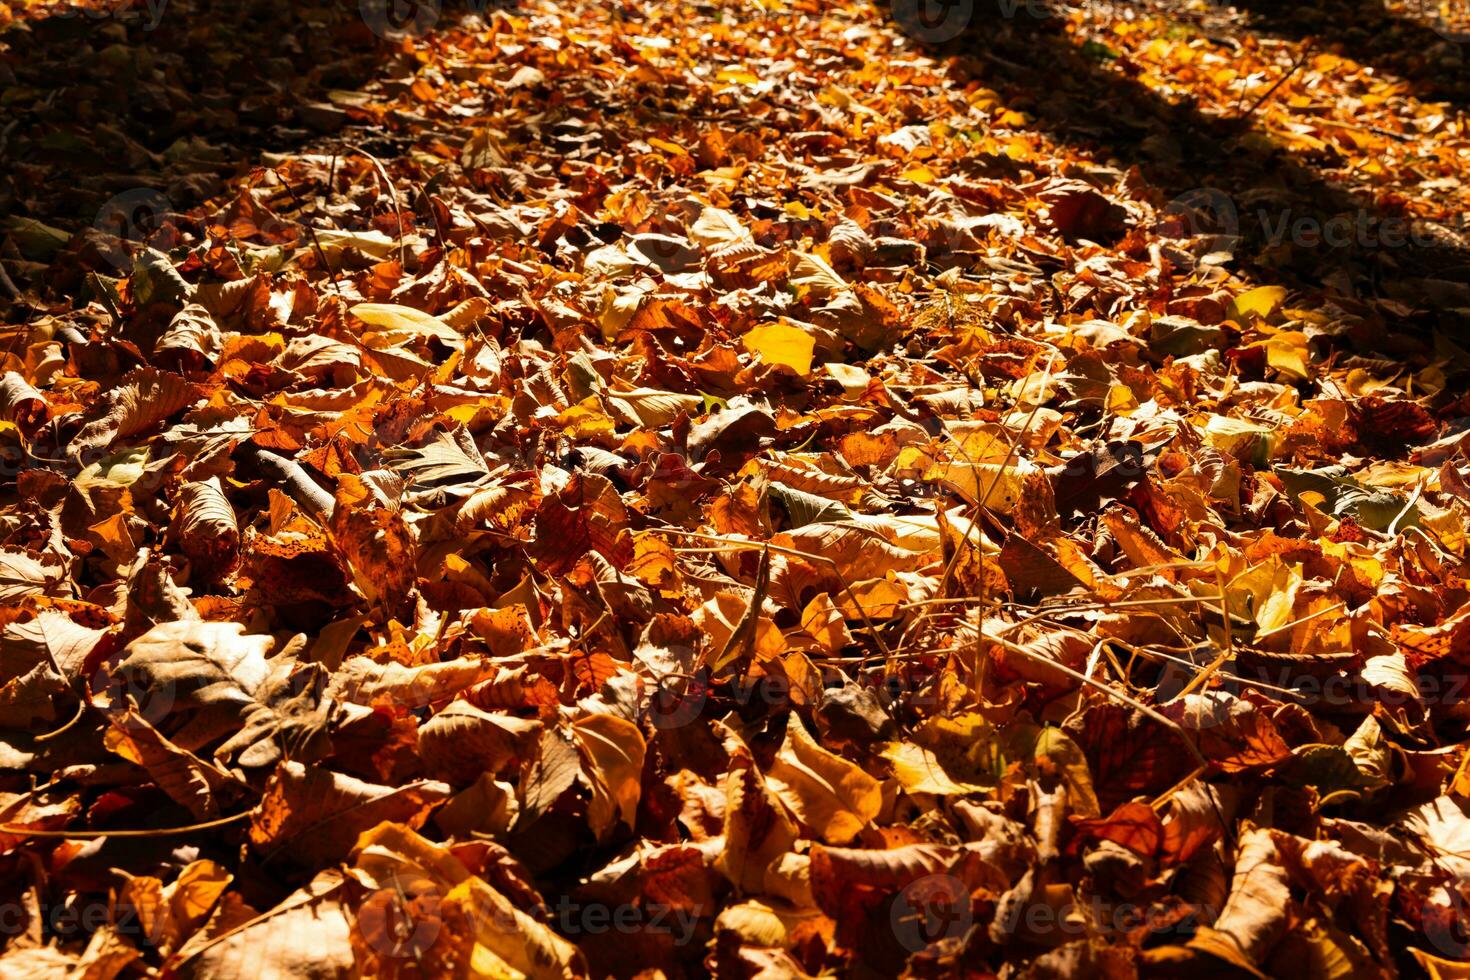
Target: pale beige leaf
x: 306, y: 937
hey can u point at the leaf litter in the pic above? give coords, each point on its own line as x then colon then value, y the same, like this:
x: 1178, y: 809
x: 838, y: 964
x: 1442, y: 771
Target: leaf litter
x: 734, y: 489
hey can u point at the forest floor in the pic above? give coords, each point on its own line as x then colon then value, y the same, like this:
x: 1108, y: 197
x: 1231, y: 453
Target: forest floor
x: 768, y: 488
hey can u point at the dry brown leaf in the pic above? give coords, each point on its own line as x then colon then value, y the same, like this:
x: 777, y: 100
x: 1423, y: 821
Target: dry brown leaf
x: 826, y: 792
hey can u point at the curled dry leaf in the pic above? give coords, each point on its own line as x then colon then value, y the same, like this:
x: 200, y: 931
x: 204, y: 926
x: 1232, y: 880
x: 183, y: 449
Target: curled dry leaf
x: 22, y: 404
x: 208, y: 530
x: 191, y: 342
x: 832, y: 796
x: 307, y: 934
x: 214, y: 684
x: 140, y: 403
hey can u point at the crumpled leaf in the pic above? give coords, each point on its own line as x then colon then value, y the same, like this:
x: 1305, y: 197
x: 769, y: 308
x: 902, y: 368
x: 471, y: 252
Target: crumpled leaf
x: 314, y: 816
x: 141, y: 402
x: 826, y: 792
x: 221, y: 677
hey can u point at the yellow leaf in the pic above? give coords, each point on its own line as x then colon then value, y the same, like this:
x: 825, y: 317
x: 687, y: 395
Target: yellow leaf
x: 1270, y: 590
x: 194, y: 893
x: 1287, y: 351
x: 878, y: 598
x: 781, y: 343
x: 966, y: 748
x: 1450, y: 525
x: 1066, y: 757
x: 586, y: 420
x: 1441, y: 969
x: 1460, y: 783
x: 1121, y: 400
x: 917, y: 769
x: 666, y: 146
x: 1365, y: 566
x: 1000, y: 486
x: 1260, y: 302
x: 654, y: 562
x: 826, y: 792
x: 1017, y: 148
x: 477, y: 919
x: 1359, y: 383
x: 737, y: 76
x: 612, y: 752
x: 721, y: 614
x: 479, y: 414
x: 400, y: 324
x: 824, y: 622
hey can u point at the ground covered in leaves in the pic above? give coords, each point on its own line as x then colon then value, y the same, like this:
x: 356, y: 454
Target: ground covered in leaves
x: 765, y: 488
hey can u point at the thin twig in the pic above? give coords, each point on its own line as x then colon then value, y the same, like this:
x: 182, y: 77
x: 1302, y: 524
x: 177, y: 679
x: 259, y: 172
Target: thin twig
x: 1300, y: 61
x: 92, y: 834
x: 392, y: 193
x: 315, y: 242
x: 82, y: 704
x: 1077, y: 675
x: 746, y: 545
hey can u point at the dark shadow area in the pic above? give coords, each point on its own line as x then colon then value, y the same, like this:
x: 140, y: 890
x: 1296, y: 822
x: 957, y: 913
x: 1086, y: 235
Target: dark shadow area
x: 173, y: 97
x: 1369, y: 33
x: 128, y: 115
x: 1083, y: 96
